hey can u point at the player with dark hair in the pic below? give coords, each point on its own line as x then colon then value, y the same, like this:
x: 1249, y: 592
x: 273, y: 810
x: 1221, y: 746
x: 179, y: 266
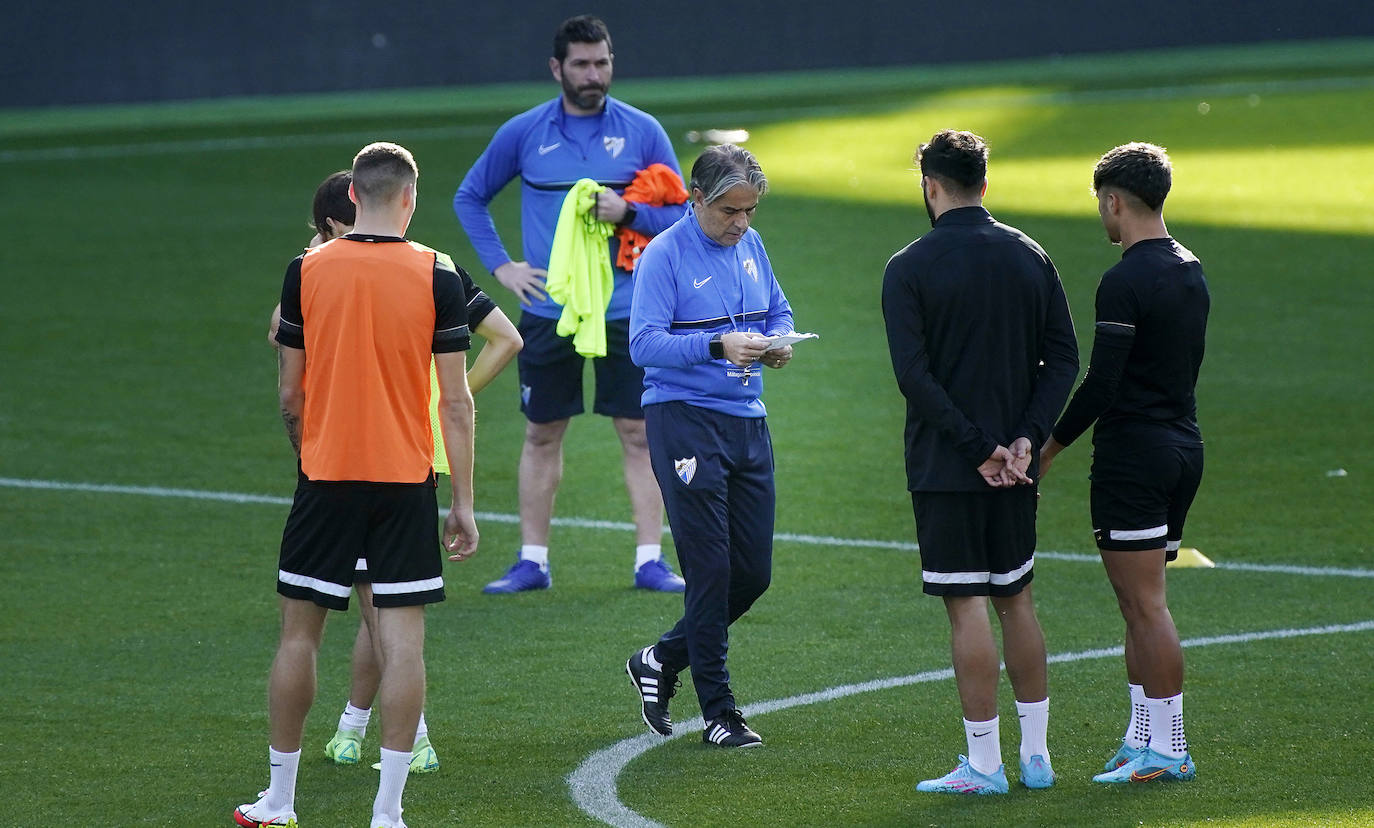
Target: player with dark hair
x: 582, y: 133
x: 1140, y: 392
x: 370, y: 309
x: 983, y: 348
x: 705, y: 304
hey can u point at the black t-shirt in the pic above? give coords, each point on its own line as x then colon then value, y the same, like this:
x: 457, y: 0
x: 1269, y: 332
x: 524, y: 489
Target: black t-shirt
x: 1148, y: 344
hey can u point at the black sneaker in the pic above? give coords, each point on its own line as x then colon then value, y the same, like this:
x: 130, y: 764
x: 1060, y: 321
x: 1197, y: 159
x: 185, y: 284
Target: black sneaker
x: 655, y: 688
x: 730, y: 730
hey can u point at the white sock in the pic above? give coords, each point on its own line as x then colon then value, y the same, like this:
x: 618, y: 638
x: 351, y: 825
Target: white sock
x: 538, y: 554
x: 395, y: 769
x: 647, y: 553
x: 281, y: 792
x: 355, y: 718
x: 421, y: 730
x: 1138, y: 728
x: 1166, y: 727
x: 1035, y: 725
x: 651, y: 659
x: 984, y: 745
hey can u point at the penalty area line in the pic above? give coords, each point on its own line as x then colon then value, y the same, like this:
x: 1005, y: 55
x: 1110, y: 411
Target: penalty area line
x: 593, y: 784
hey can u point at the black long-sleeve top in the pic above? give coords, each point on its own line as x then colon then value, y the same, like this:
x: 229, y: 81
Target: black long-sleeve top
x: 1148, y: 342
x: 982, y: 344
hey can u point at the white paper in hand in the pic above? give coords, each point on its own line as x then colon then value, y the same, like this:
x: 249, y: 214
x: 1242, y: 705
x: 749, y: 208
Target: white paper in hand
x: 783, y: 340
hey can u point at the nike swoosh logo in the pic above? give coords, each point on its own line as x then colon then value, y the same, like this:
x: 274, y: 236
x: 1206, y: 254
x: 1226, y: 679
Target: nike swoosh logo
x: 696, y: 283
x: 543, y: 150
x: 979, y: 735
x: 1137, y: 776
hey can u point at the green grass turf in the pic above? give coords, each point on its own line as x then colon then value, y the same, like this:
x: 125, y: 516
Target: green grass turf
x: 138, y: 277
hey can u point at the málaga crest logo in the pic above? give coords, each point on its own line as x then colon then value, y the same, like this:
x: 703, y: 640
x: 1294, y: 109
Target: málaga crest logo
x: 613, y: 145
x: 686, y: 469
x: 751, y: 268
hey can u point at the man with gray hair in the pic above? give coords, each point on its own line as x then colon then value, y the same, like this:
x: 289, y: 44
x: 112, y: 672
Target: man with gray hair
x: 706, y: 308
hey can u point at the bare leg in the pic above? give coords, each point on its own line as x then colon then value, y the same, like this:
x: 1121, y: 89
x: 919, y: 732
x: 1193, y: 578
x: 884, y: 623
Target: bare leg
x: 645, y: 499
x: 1154, y: 657
x: 1023, y: 646
x: 291, y: 686
x: 402, y: 691
x: 541, y: 470
x: 367, y: 671
x: 974, y: 654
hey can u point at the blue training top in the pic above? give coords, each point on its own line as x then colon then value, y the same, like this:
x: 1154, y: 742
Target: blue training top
x: 688, y: 288
x: 550, y: 150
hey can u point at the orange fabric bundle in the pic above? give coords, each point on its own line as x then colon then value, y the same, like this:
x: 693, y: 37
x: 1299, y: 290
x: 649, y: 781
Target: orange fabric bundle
x: 657, y: 185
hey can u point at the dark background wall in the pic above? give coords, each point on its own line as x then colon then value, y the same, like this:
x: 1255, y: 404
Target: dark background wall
x: 95, y: 51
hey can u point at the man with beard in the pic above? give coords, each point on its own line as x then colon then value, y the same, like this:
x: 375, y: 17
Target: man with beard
x: 984, y: 352
x: 583, y: 133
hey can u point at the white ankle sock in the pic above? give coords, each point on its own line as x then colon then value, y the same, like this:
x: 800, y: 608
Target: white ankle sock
x: 395, y: 769
x: 421, y: 730
x: 1138, y: 728
x: 281, y: 792
x: 1166, y: 727
x: 984, y: 745
x: 538, y: 554
x: 651, y: 659
x: 647, y: 553
x: 355, y: 718
x: 1035, y: 725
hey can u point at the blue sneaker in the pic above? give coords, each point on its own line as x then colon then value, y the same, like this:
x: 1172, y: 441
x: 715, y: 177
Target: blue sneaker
x: 660, y: 577
x: 1151, y: 767
x: 965, y: 780
x: 1124, y: 754
x: 524, y: 576
x: 1036, y: 773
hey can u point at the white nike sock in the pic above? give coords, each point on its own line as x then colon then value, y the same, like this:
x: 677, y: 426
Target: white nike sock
x: 1138, y: 728
x: 395, y: 769
x: 1166, y: 727
x: 421, y: 730
x: 355, y: 718
x: 984, y: 745
x: 538, y: 554
x: 281, y: 792
x: 1035, y: 725
x: 647, y: 553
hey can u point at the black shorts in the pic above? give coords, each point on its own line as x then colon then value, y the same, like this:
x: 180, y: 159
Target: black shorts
x: 976, y: 543
x: 1140, y: 497
x: 389, y: 529
x: 551, y: 373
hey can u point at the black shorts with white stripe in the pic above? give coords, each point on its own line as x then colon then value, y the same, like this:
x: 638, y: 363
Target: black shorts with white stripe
x: 1140, y: 497
x: 976, y: 543
x: 334, y: 527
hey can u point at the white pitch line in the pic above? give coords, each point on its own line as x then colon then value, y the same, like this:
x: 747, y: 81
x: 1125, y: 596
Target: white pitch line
x: 593, y: 785
x: 620, y: 526
x: 790, y: 111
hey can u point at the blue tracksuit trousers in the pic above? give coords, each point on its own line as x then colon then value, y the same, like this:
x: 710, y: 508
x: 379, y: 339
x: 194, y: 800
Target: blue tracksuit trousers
x: 716, y: 474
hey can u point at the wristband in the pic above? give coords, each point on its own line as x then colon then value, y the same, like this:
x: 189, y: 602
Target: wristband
x: 717, y: 347
x: 629, y: 216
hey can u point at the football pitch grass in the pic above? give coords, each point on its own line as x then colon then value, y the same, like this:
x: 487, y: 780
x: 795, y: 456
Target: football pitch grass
x: 144, y: 472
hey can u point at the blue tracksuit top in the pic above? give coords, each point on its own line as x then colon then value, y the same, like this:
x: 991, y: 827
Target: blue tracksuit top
x: 688, y: 288
x: 550, y: 150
